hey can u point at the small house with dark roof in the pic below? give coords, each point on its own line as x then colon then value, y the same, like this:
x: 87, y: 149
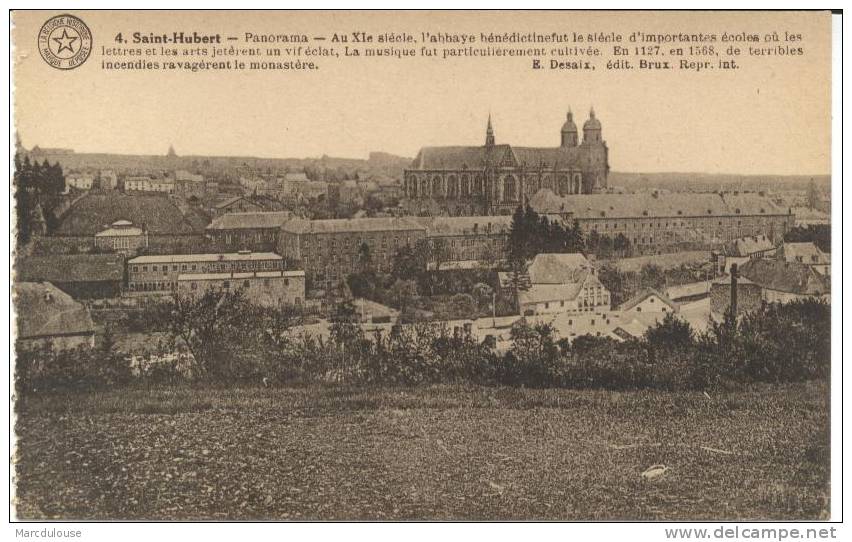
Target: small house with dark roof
x: 82, y: 276
x: 47, y: 315
x: 782, y: 281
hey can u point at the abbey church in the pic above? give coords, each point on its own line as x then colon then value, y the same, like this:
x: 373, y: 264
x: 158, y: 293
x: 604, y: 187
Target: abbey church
x: 493, y: 179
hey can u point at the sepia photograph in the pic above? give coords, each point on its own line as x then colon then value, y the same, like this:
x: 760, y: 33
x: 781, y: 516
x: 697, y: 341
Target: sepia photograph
x: 423, y: 266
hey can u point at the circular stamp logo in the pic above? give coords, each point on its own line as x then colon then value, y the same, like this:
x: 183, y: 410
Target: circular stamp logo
x: 65, y: 42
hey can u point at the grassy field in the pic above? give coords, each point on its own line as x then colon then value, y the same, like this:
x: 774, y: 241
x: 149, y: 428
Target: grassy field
x: 423, y: 453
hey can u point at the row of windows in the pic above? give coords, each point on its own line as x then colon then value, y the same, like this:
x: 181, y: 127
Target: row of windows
x: 163, y: 286
x: 213, y: 267
x: 675, y: 224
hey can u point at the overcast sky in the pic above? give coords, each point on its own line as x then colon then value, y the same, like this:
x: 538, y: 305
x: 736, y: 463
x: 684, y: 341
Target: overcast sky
x: 771, y: 117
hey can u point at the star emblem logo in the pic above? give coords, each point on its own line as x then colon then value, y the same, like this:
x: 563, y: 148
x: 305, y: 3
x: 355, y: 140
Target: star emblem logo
x: 65, y: 41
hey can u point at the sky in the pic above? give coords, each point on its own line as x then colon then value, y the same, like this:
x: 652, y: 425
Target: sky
x: 770, y: 117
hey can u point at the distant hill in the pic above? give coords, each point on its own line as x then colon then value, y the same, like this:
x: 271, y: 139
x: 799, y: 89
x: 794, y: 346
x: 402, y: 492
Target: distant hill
x: 90, y: 214
x: 226, y: 167
x: 704, y: 182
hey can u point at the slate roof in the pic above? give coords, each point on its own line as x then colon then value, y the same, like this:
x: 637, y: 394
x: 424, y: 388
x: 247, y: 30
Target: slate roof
x: 182, y: 258
x: 120, y: 231
x: 351, y: 225
x: 540, y: 293
x: 250, y: 220
x: 459, y: 157
x: 650, y: 205
x: 227, y: 202
x: 68, y: 268
x: 46, y: 311
x: 746, y: 246
x: 550, y: 157
x: 789, y: 277
x: 558, y: 268
x: 296, y: 176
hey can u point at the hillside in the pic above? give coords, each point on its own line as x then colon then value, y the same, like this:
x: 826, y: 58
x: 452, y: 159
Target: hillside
x: 705, y: 182
x: 90, y: 214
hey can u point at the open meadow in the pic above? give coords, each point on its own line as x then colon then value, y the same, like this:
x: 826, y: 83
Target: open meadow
x: 432, y: 452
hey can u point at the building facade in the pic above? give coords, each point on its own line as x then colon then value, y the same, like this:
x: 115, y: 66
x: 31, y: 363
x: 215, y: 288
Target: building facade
x: 655, y: 222
x: 561, y: 283
x: 466, y: 241
x: 148, y: 184
x: 494, y: 179
x: 160, y: 273
x: 331, y: 250
x: 256, y: 231
x: 122, y: 237
x: 262, y: 288
x: 189, y: 185
x: 79, y: 181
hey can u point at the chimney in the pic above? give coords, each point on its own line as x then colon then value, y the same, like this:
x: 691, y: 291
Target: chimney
x: 734, y: 276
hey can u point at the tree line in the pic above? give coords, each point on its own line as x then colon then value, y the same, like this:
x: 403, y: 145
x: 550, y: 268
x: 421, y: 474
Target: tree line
x: 38, y: 189
x: 227, y: 341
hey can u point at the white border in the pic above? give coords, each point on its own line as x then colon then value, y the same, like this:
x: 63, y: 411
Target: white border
x: 654, y: 531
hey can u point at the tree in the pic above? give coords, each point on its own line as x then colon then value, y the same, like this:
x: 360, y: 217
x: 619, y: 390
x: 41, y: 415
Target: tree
x: 209, y: 325
x: 365, y: 258
x: 408, y: 263
x: 621, y: 245
x: 402, y: 293
x: 483, y: 294
x: 669, y: 334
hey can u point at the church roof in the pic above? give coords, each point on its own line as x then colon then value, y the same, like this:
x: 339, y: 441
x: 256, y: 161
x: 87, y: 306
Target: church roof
x: 593, y: 123
x: 458, y: 157
x: 569, y: 125
x: 474, y: 158
x: 560, y: 157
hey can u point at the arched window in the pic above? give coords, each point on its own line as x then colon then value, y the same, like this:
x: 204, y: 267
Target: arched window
x: 437, y: 187
x: 452, y: 186
x: 478, y: 185
x: 465, y: 185
x: 510, y: 189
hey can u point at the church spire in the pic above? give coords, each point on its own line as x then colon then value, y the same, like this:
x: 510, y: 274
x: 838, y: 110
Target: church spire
x: 489, y: 133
